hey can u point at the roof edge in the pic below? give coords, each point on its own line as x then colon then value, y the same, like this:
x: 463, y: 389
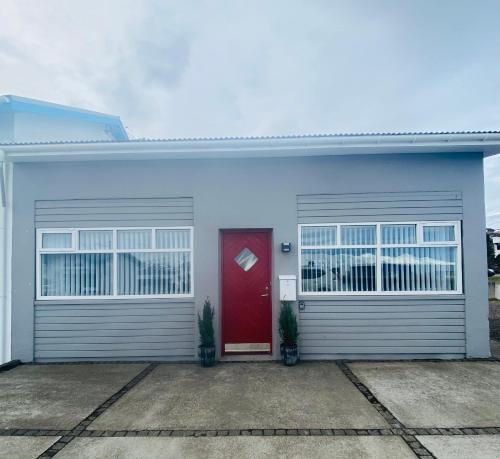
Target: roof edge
x: 485, y: 142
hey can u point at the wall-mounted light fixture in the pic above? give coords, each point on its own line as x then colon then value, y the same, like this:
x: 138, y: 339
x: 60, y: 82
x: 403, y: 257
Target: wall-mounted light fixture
x: 286, y: 247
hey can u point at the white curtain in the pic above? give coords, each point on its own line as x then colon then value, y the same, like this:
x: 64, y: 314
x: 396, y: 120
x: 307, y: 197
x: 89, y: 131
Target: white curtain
x: 439, y: 233
x: 96, y: 240
x: 399, y: 234
x: 358, y: 234
x: 134, y: 239
x: 338, y: 270
x: 419, y: 269
x: 173, y: 239
x: 154, y: 273
x: 318, y: 235
x: 76, y: 274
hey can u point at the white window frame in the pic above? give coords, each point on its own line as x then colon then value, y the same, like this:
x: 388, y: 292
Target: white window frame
x: 75, y: 232
x: 379, y: 246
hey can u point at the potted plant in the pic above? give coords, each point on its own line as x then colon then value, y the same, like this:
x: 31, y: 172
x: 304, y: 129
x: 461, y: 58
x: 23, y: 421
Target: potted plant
x: 206, y: 349
x: 289, y: 334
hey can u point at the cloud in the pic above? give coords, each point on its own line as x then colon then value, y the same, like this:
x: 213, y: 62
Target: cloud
x: 217, y: 68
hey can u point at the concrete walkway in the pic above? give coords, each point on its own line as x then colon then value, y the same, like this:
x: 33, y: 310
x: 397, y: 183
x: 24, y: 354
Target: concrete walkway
x: 250, y: 410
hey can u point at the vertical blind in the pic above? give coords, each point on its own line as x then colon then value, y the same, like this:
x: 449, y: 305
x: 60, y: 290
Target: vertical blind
x: 338, y: 270
x: 410, y: 257
x: 76, y: 274
x: 147, y: 261
x: 419, y: 269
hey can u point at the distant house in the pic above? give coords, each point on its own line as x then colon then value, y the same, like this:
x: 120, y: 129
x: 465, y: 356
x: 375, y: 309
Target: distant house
x: 116, y: 245
x: 495, y: 237
x: 29, y: 120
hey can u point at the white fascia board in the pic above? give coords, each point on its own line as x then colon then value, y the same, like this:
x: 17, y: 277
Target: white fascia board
x: 486, y: 144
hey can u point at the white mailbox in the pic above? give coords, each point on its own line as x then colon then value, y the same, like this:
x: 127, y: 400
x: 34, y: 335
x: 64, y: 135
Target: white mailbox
x: 288, y: 287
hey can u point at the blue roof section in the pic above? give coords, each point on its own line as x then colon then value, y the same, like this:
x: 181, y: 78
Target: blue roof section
x: 17, y: 104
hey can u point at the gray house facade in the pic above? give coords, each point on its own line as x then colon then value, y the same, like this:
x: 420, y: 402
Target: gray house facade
x: 116, y: 245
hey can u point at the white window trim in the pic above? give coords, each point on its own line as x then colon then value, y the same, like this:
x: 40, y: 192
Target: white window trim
x: 378, y: 246
x: 114, y: 251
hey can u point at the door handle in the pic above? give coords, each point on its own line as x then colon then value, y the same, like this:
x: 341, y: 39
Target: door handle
x: 265, y: 294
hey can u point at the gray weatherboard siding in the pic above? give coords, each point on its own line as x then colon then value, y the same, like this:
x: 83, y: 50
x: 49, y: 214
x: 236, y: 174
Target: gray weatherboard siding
x: 258, y: 193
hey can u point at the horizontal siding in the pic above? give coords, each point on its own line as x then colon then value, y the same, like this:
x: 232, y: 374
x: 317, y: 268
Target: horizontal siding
x: 114, y: 212
x: 380, y: 206
x: 113, y: 331
x: 382, y: 326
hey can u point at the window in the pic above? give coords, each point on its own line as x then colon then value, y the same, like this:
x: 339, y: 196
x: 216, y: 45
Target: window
x: 380, y: 258
x: 114, y: 262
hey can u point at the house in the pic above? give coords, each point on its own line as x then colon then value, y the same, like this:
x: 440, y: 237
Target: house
x: 31, y: 120
x: 114, y: 246
x: 495, y: 238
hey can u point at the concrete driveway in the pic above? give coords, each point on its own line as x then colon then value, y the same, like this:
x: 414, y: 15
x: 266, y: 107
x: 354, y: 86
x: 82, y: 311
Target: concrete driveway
x: 247, y: 410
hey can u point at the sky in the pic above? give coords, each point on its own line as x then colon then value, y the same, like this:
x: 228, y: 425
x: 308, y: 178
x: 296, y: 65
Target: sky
x: 191, y: 68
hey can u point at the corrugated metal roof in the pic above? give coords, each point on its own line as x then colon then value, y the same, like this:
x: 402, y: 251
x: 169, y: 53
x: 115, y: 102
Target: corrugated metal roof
x: 270, y: 137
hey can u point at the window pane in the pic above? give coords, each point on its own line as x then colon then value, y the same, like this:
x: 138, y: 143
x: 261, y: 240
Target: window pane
x: 419, y: 269
x: 173, y: 239
x: 95, y: 240
x: 56, y: 240
x: 439, y: 233
x: 162, y: 273
x: 73, y: 274
x: 319, y: 235
x: 134, y: 239
x: 358, y: 234
x: 338, y: 270
x: 399, y: 234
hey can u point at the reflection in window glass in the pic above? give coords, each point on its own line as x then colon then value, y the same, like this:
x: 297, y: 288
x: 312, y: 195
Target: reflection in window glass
x: 419, y: 269
x: 439, y: 233
x: 399, y: 234
x: 358, y: 234
x: 338, y: 270
x: 154, y: 273
x: 246, y: 259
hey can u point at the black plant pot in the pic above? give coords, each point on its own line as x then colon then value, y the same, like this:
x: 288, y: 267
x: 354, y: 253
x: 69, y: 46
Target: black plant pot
x: 207, y: 356
x: 290, y: 355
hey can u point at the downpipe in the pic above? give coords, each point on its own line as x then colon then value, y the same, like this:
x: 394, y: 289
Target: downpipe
x: 5, y: 332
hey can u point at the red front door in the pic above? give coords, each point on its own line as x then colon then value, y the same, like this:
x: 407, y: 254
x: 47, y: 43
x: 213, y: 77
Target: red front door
x: 246, y: 291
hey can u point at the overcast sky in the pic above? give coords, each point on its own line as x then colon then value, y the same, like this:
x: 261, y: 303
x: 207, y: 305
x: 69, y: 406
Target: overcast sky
x: 221, y: 68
